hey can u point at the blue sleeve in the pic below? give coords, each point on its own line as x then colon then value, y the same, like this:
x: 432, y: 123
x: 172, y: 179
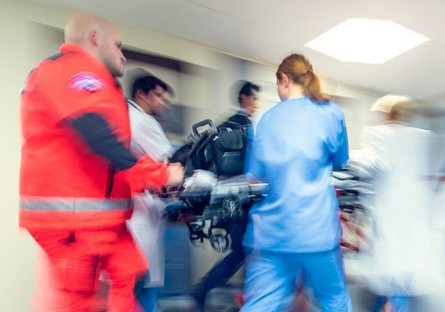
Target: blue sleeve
x: 340, y: 155
x: 254, y: 163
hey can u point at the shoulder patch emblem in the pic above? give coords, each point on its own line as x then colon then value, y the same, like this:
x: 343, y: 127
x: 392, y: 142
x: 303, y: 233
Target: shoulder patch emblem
x: 85, y: 82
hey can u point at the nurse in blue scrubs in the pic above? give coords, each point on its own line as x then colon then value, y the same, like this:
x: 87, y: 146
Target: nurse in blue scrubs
x: 296, y: 228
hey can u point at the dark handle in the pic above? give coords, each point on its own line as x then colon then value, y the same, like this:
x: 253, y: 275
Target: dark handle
x: 201, y: 124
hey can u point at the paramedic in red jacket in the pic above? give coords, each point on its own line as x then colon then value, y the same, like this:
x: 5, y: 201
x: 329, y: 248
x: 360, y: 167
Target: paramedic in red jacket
x: 77, y: 174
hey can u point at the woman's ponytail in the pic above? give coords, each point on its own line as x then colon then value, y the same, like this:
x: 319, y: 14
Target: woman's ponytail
x: 312, y: 88
x: 299, y: 70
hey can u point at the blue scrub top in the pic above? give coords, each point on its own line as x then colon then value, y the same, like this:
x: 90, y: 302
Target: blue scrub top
x: 296, y: 145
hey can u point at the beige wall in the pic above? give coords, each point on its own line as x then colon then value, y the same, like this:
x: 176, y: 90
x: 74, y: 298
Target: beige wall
x: 16, y: 249
x: 24, y: 44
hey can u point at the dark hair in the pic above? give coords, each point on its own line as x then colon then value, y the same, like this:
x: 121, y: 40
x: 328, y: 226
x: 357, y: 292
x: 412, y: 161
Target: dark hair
x: 148, y: 83
x: 246, y: 89
x: 299, y: 70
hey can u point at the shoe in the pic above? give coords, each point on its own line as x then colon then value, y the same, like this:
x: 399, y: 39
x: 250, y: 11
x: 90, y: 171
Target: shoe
x: 199, y: 301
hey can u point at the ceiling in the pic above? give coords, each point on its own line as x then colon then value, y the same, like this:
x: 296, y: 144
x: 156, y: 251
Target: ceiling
x: 269, y: 30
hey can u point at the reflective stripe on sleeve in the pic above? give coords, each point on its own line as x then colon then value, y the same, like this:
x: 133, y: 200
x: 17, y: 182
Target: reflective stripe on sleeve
x: 73, y: 203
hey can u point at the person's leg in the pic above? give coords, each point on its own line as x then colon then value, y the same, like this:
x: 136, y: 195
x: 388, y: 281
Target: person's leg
x: 48, y: 293
x: 237, y: 230
x: 324, y: 271
x: 222, y: 270
x: 228, y: 266
x: 148, y: 300
x: 127, y: 268
x: 399, y: 303
x: 72, y: 272
x: 378, y: 303
x: 270, y: 280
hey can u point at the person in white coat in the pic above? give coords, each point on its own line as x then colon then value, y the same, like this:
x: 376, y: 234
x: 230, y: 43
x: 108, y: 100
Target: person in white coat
x: 395, y: 155
x: 150, y: 97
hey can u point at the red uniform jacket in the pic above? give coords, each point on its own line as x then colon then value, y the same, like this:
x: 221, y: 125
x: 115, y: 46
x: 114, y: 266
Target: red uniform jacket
x: 63, y: 183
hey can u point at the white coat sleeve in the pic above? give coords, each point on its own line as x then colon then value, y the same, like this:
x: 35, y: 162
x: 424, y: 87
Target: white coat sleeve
x: 149, y: 138
x: 375, y: 156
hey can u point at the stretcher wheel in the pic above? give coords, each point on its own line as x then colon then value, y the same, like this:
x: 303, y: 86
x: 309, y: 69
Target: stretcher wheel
x: 219, y: 242
x: 231, y: 206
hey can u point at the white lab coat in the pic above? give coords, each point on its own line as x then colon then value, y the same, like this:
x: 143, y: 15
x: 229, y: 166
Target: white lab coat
x: 146, y: 224
x: 403, y: 258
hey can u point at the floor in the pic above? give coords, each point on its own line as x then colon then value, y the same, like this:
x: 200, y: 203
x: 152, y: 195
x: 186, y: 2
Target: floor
x: 221, y: 299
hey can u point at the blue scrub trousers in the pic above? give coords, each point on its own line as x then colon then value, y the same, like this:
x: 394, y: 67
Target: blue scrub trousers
x: 271, y: 278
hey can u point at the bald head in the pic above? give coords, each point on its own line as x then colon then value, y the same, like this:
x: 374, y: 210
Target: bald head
x: 99, y: 38
x: 81, y: 24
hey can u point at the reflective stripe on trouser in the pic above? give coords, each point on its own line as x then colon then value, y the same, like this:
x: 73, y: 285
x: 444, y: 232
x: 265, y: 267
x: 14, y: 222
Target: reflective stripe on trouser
x: 271, y: 278
x: 78, y: 257
x: 48, y: 203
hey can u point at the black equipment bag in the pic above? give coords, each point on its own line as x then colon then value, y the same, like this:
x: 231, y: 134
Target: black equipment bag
x: 221, y: 150
x: 192, y: 155
x: 228, y: 149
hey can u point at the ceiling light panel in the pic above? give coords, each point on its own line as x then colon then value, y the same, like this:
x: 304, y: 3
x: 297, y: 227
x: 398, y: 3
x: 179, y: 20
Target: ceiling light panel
x: 367, y: 41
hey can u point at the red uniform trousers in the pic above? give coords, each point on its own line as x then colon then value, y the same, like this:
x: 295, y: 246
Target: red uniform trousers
x: 79, y: 256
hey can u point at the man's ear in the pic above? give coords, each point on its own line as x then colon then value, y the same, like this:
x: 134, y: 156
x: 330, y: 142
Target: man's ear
x: 139, y: 94
x: 94, y: 38
x: 242, y: 99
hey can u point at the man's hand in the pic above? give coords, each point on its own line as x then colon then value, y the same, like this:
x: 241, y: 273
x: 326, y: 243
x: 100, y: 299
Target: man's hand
x: 176, y: 179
